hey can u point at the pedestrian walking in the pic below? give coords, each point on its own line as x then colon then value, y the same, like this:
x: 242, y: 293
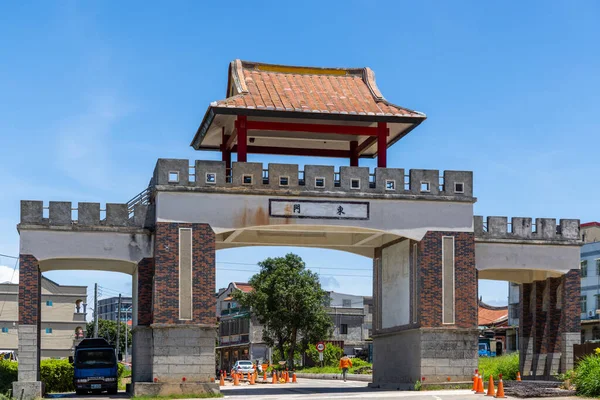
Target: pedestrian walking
x: 345, y: 363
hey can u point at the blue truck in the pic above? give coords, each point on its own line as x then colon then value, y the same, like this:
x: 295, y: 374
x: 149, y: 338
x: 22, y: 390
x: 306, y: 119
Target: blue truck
x: 95, y: 365
x: 488, y: 347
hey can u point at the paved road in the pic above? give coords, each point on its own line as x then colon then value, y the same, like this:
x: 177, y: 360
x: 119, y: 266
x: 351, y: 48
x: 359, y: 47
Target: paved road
x: 316, y: 389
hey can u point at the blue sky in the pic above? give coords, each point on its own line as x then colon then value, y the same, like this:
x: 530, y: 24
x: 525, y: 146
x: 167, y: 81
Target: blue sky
x: 92, y: 93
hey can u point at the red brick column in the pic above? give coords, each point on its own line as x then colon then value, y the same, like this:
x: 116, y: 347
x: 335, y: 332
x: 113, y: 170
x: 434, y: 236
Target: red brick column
x: 430, y: 280
x: 30, y: 318
x: 144, y: 291
x: 166, y: 277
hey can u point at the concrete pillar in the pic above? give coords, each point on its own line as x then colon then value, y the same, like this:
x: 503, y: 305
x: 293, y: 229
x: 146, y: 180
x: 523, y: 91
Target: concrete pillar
x: 570, y: 320
x: 142, y: 343
x: 29, y: 385
x: 180, y: 326
x: 433, y: 333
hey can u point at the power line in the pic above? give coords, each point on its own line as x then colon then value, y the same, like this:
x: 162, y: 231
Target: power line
x: 6, y: 255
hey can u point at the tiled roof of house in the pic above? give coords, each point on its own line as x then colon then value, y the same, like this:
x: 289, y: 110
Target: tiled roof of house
x: 244, y: 287
x: 307, y: 89
x: 589, y: 224
x: 490, y: 315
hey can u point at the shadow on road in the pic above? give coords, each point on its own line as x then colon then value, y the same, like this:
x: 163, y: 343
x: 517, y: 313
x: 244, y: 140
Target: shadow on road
x: 254, y: 391
x: 120, y: 395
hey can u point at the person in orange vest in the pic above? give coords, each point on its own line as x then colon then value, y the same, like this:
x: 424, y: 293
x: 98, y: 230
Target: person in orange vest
x: 345, y: 363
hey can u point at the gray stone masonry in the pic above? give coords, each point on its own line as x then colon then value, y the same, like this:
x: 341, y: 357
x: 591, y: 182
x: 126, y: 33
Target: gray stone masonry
x: 241, y: 172
x: 521, y: 229
x: 457, y: 184
x: 60, y: 213
x: 170, y: 389
x: 29, y: 370
x: 28, y: 390
x: 141, y: 368
x: 436, y: 354
x: 88, y: 215
x: 183, y: 351
x: 210, y: 167
x: 289, y: 171
x: 347, y: 174
x: 419, y: 178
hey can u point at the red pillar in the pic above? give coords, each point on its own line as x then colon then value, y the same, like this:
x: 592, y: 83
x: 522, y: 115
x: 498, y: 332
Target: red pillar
x: 225, y: 153
x: 242, y: 139
x: 354, y: 153
x: 382, y: 144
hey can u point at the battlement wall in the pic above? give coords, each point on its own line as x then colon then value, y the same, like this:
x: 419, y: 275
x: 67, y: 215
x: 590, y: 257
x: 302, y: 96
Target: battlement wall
x: 247, y: 175
x: 520, y: 228
x: 62, y: 213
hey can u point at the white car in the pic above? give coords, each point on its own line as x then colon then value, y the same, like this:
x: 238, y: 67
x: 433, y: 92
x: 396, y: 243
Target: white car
x: 243, y: 367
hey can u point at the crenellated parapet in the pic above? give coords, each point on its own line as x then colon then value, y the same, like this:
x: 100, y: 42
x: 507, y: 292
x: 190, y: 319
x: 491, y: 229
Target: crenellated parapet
x: 86, y: 215
x: 314, y: 178
x: 521, y: 228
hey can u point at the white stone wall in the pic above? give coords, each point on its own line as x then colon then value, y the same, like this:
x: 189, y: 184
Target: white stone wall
x: 395, y: 303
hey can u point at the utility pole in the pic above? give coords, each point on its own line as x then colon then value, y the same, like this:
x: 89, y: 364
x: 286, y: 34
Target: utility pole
x: 95, y: 310
x: 119, y: 325
x: 127, y: 312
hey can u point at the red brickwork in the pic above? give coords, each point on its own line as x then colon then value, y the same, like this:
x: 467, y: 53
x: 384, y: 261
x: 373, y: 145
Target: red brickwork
x: 30, y: 290
x: 543, y: 322
x: 430, y: 280
x: 166, y: 277
x: 145, y: 276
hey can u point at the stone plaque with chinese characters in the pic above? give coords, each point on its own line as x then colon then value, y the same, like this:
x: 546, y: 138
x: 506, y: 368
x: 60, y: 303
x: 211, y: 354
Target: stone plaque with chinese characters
x: 315, y: 209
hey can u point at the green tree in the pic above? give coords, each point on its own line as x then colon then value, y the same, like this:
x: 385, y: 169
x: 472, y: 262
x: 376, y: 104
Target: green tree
x: 288, y: 301
x: 108, y: 330
x: 331, y: 355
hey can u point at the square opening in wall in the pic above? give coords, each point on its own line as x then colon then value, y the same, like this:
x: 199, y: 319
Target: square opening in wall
x: 247, y: 179
x: 211, y: 178
x: 354, y: 183
x: 390, y: 185
x: 174, y: 177
x: 320, y: 182
x: 425, y: 187
x: 459, y: 187
x: 284, y: 181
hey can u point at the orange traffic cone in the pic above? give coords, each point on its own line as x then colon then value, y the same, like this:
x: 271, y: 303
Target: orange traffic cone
x: 491, y: 392
x: 287, y: 377
x: 500, y: 394
x: 518, y: 376
x: 236, y: 381
x: 252, y: 379
x: 480, y: 386
x: 274, y: 377
x: 294, y: 377
x: 475, y: 381
x: 265, y: 376
x: 222, y: 381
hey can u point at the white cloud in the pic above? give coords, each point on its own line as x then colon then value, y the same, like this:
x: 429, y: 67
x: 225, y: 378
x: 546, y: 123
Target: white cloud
x: 6, y: 274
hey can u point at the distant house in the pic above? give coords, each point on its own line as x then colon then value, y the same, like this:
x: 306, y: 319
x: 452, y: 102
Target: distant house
x: 240, y: 334
x: 63, y: 317
x: 493, y: 324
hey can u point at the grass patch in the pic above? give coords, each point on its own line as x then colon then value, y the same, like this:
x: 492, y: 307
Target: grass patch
x: 507, y: 365
x: 358, y: 367
x: 587, y: 376
x: 181, y: 396
x: 446, y: 387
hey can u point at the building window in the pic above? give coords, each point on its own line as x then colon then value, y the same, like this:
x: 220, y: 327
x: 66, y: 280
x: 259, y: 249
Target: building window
x: 173, y: 176
x: 344, y: 329
x: 49, y: 331
x: 390, y: 185
x: 598, y: 266
x: 514, y: 311
x: 246, y: 179
x: 284, y: 181
x: 4, y: 330
x: 597, y: 303
x: 320, y: 182
x: 583, y: 268
x: 459, y: 187
x: 49, y: 303
x: 582, y: 336
x: 425, y: 187
x: 211, y: 178
x: 583, y: 301
x: 595, y: 333
x: 346, y: 303
x: 354, y: 183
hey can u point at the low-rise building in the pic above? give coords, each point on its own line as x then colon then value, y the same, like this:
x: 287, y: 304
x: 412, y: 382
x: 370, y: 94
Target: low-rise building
x: 109, y: 308
x: 240, y: 334
x: 63, y: 317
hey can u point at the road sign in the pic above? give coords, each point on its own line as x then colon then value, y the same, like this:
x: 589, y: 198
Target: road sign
x: 320, y: 347
x: 320, y: 356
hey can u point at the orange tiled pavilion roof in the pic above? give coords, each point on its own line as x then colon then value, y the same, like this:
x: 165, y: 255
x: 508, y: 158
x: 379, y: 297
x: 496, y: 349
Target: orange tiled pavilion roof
x: 330, y: 112
x: 308, y: 89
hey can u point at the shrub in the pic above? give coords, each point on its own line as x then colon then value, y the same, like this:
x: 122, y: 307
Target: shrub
x: 57, y: 375
x: 587, y: 375
x: 331, y: 355
x: 8, y: 374
x: 507, y: 365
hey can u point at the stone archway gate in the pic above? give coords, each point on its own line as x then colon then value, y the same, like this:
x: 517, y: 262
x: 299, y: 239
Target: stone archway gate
x: 418, y: 228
